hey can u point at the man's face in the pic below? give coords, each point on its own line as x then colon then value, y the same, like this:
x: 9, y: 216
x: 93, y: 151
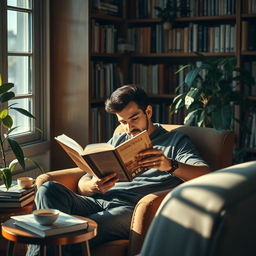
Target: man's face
x: 133, y: 119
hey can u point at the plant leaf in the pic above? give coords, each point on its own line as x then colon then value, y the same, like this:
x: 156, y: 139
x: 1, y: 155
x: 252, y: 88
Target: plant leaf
x: 17, y: 150
x: 7, y: 121
x: 6, y: 96
x: 6, y: 176
x: 24, y: 112
x: 191, y: 76
x: 221, y: 118
x: 6, y: 87
x: 190, y: 117
x: 3, y: 113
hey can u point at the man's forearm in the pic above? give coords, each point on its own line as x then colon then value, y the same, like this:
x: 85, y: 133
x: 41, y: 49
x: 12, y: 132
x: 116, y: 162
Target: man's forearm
x: 85, y: 186
x: 188, y: 172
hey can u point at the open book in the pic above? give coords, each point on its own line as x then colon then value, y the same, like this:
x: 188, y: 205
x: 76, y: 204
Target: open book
x: 102, y: 159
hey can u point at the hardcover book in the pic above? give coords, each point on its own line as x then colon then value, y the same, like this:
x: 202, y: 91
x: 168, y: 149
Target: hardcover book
x: 64, y: 224
x: 102, y: 159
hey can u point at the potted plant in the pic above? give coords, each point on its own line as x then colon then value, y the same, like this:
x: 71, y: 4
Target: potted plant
x: 208, y: 94
x: 171, y: 11
x: 6, y: 124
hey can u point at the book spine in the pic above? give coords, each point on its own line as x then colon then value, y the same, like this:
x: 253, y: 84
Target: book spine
x: 92, y: 166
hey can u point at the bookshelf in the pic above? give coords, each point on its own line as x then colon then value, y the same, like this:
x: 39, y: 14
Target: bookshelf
x: 97, y: 49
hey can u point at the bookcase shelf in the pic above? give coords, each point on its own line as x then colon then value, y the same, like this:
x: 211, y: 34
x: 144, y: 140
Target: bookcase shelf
x: 98, y: 73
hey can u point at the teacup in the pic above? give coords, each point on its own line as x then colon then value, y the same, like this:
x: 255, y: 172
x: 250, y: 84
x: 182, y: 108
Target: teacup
x: 46, y: 217
x: 25, y: 182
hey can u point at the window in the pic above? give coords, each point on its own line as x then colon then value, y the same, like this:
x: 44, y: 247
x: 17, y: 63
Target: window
x: 22, y: 30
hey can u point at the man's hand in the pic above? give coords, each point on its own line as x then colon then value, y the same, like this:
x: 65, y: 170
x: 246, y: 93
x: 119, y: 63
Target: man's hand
x: 154, y: 158
x: 94, y: 185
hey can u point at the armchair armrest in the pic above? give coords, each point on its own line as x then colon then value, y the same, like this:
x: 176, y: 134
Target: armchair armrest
x: 68, y: 177
x: 143, y: 215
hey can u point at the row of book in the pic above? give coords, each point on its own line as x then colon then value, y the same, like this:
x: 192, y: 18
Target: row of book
x: 248, y: 36
x: 99, y: 119
x: 251, y: 68
x: 111, y: 7
x: 15, y: 197
x: 186, y: 8
x: 106, y: 77
x: 104, y: 38
x: 250, y: 139
x: 249, y: 6
x: 193, y: 38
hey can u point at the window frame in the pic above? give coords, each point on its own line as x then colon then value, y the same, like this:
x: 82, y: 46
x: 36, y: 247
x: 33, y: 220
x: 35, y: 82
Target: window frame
x: 40, y: 66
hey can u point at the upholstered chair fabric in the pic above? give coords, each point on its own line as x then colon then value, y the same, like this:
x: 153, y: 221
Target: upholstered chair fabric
x: 212, y: 215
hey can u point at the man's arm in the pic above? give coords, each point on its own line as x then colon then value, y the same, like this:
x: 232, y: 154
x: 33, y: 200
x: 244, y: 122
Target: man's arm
x: 91, y: 185
x: 155, y: 158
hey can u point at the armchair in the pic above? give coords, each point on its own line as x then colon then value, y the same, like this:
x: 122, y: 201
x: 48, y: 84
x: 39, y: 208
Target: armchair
x: 215, y: 148
x: 210, y: 215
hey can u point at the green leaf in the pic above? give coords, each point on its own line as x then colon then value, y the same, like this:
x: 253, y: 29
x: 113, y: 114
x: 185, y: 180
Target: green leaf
x: 17, y: 150
x: 7, y: 121
x: 3, y: 113
x: 191, y: 96
x: 6, y: 87
x: 6, y: 177
x: 24, y: 112
x: 190, y: 117
x: 201, y: 120
x: 191, y: 76
x: 221, y: 118
x: 182, y: 68
x: 6, y: 96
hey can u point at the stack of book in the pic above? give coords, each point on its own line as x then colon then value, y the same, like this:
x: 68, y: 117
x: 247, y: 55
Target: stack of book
x: 15, y: 197
x: 64, y: 224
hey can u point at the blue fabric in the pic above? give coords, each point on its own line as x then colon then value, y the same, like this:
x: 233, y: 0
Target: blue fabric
x: 113, y: 210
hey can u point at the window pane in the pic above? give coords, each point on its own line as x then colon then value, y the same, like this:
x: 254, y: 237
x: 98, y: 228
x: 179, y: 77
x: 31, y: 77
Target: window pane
x: 23, y: 123
x: 19, y: 73
x: 20, y: 3
x: 19, y: 31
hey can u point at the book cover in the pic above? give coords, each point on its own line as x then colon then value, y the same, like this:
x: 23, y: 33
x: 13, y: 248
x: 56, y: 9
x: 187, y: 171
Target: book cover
x: 102, y: 159
x: 14, y: 191
x: 64, y: 224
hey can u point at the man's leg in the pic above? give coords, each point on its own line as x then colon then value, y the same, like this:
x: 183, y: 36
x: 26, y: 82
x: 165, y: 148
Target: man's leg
x: 54, y: 195
x: 113, y: 224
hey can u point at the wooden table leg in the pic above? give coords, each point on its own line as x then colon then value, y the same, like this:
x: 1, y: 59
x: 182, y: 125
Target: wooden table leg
x: 87, y: 247
x: 10, y: 248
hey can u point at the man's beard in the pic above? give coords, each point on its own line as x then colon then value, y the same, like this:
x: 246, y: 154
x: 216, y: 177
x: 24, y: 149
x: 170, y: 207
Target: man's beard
x: 139, y: 130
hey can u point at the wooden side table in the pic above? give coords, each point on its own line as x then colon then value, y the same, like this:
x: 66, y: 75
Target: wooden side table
x: 15, y: 234
x: 5, y: 214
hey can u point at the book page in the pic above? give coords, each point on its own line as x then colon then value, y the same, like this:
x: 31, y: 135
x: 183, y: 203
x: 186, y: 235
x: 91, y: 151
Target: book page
x: 70, y: 142
x: 97, y: 147
x: 128, y: 150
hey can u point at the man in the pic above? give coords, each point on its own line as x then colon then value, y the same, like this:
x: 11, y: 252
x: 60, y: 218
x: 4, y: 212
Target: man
x: 109, y: 202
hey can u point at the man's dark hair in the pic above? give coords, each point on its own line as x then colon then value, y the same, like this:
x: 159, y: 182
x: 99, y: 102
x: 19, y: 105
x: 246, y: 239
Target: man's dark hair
x: 122, y: 96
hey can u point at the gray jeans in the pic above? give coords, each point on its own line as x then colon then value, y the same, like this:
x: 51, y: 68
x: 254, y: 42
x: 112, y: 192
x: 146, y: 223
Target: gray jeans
x: 112, y: 216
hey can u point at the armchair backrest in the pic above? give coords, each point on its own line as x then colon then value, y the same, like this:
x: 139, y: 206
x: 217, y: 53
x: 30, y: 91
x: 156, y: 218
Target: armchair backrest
x: 211, y: 215
x: 215, y: 147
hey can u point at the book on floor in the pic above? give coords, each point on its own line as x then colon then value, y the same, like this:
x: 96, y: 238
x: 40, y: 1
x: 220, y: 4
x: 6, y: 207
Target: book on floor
x: 101, y: 159
x: 64, y: 224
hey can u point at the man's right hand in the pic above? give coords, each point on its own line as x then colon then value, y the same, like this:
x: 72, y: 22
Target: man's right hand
x: 94, y: 185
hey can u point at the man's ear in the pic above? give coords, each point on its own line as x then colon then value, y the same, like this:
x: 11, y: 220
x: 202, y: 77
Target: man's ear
x: 149, y: 111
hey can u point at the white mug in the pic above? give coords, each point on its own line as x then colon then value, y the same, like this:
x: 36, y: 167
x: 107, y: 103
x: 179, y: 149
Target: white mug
x: 25, y: 182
